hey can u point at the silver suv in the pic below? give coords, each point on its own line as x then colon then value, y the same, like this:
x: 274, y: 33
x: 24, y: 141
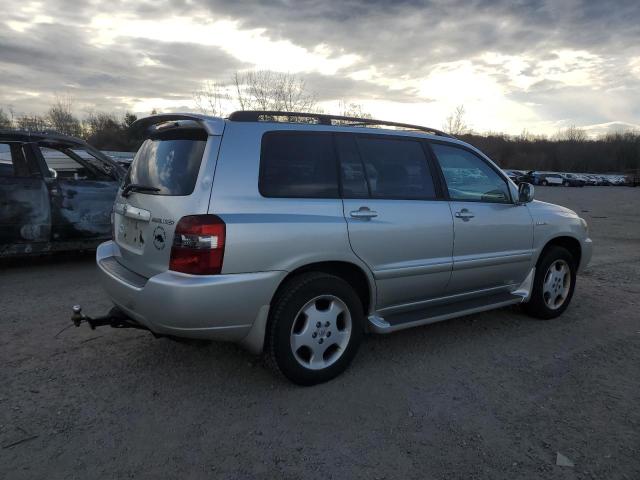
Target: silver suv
x: 295, y: 234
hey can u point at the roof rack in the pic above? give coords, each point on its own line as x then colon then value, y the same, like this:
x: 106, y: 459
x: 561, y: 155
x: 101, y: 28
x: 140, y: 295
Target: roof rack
x: 324, y: 119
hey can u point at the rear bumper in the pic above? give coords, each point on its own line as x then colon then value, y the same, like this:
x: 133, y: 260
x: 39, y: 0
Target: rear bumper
x: 218, y: 307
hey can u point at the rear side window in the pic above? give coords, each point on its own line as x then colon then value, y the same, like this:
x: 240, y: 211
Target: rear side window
x: 65, y: 164
x: 354, y: 179
x: 394, y: 168
x: 299, y: 165
x: 170, y: 162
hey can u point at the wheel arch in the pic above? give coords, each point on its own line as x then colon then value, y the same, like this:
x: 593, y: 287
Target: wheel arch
x: 354, y: 274
x: 350, y: 272
x: 572, y: 244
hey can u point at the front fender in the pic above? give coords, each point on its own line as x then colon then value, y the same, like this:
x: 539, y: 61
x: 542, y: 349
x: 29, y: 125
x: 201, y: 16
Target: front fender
x: 552, y: 222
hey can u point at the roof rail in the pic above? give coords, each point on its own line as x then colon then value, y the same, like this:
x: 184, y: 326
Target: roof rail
x: 324, y: 119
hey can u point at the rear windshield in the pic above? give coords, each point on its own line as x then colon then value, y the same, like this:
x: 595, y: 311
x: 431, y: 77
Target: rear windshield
x: 170, y: 162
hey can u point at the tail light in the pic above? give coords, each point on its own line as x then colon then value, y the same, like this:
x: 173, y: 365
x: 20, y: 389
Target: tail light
x: 198, y: 245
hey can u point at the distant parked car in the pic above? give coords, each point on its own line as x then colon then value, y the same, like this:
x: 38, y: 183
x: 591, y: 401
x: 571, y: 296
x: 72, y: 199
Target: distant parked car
x: 124, y: 162
x: 531, y: 177
x: 589, y: 179
x: 515, y: 175
x: 621, y: 180
x: 585, y: 178
x: 553, y: 179
x: 122, y: 158
x: 571, y: 180
x: 56, y: 193
x: 541, y: 178
x: 605, y: 180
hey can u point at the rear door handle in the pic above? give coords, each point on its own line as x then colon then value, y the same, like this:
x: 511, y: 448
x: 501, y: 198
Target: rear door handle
x: 464, y: 214
x: 363, y: 213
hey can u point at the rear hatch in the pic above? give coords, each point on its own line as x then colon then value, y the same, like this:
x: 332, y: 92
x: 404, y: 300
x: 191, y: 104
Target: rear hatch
x: 170, y: 177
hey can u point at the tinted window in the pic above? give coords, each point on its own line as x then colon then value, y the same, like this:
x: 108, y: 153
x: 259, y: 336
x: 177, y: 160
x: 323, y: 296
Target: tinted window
x: 469, y: 177
x: 395, y: 168
x: 170, y: 162
x: 298, y: 165
x: 354, y: 181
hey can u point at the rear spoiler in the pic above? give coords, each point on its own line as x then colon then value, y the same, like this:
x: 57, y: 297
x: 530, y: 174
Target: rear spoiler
x: 212, y: 125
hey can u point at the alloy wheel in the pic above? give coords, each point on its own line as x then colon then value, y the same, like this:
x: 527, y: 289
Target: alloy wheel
x: 557, y: 284
x: 320, y: 332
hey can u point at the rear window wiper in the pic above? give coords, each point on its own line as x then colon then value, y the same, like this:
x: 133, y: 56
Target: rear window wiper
x: 136, y: 187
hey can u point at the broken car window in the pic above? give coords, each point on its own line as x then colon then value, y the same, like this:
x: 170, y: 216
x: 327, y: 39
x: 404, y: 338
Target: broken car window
x: 66, y: 167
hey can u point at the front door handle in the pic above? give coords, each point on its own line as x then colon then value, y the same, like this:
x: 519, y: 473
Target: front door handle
x: 363, y: 213
x: 465, y: 215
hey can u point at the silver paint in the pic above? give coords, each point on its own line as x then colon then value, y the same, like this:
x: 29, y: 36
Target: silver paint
x: 414, y: 254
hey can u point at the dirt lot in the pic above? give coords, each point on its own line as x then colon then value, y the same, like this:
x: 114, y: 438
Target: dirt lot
x: 494, y: 395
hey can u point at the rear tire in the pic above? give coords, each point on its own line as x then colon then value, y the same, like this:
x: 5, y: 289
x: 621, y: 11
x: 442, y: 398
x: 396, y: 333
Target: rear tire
x: 544, y: 183
x: 315, y: 328
x: 553, y: 285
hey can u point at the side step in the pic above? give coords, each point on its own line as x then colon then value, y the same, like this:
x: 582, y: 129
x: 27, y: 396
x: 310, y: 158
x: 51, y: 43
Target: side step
x: 437, y: 313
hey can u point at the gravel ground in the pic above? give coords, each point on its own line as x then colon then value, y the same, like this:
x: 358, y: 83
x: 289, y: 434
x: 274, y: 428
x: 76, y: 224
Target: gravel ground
x: 494, y: 395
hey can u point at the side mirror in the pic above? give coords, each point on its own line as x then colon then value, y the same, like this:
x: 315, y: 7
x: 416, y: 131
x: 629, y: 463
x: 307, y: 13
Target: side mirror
x: 525, y: 193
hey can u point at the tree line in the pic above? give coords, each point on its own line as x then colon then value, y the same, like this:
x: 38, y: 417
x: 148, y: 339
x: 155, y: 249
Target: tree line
x: 103, y: 130
x: 611, y: 153
x: 570, y: 150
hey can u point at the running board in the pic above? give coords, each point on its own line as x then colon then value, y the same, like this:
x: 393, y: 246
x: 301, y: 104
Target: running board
x: 438, y: 313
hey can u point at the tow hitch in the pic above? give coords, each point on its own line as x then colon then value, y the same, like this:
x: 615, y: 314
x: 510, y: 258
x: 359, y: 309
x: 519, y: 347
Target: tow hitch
x: 116, y: 318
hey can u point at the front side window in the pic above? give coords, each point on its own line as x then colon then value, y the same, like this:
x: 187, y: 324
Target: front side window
x: 298, y: 165
x: 468, y: 177
x: 394, y: 168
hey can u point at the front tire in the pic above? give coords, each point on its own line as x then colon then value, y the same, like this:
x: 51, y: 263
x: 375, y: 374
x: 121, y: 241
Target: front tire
x: 315, y: 329
x: 554, y: 283
x: 544, y: 183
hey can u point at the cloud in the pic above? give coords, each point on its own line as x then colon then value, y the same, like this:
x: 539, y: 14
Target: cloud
x: 529, y: 63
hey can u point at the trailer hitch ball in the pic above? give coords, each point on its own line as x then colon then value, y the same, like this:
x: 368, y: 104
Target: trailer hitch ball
x: 77, y: 316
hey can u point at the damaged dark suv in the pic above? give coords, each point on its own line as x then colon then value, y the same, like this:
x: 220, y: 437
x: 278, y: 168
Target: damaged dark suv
x: 56, y: 193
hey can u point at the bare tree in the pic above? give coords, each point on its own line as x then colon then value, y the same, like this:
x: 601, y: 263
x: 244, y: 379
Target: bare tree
x: 572, y: 134
x: 128, y: 120
x: 5, y: 120
x: 455, y: 123
x: 60, y: 117
x: 33, y: 123
x: 211, y: 97
x: 101, y: 121
x: 268, y: 90
x: 352, y: 109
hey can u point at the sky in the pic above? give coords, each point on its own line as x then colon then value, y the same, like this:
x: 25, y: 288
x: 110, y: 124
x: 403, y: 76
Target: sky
x: 516, y: 65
